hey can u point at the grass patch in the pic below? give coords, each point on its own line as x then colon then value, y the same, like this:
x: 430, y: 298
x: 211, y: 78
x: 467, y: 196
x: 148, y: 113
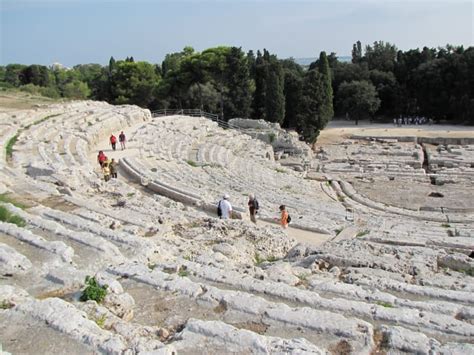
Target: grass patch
x: 7, y: 199
x: 280, y: 170
x: 303, y: 279
x: 469, y: 272
x: 187, y: 257
x: 151, y: 266
x: 93, y: 291
x: 10, y: 144
x: 154, y: 170
x: 89, y: 123
x: 341, y: 198
x: 446, y: 225
x: 41, y: 120
x: 385, y: 304
x: 362, y: 233
x: 5, y: 305
x: 101, y: 321
x: 272, y: 258
x: 258, y: 259
x: 271, y: 137
x: 131, y: 194
x: 8, y: 217
x: 192, y: 163
x: 338, y: 230
x: 183, y: 273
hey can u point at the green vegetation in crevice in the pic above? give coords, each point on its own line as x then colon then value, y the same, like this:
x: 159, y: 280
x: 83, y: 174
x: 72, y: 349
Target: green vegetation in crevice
x: 9, y: 147
x: 8, y: 217
x: 7, y: 199
x: 93, y: 291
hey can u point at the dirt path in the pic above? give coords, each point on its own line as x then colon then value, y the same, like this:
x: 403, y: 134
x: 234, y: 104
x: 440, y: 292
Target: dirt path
x: 337, y: 131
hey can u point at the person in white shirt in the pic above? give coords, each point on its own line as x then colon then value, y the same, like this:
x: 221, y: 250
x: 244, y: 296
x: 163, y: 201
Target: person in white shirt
x: 226, y: 207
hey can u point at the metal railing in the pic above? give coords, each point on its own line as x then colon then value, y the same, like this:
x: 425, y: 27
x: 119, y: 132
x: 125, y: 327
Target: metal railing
x: 194, y: 113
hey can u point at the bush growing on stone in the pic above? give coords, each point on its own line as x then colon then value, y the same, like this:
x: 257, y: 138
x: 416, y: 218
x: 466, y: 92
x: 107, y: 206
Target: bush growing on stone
x: 93, y: 291
x: 10, y: 144
x: 8, y: 217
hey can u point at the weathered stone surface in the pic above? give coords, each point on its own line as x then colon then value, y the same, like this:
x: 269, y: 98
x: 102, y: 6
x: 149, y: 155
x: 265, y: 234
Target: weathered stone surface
x: 400, y: 281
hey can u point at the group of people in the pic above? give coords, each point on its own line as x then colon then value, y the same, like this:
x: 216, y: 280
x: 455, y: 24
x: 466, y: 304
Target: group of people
x: 411, y: 120
x: 122, y: 140
x: 109, y: 167
x: 224, y: 210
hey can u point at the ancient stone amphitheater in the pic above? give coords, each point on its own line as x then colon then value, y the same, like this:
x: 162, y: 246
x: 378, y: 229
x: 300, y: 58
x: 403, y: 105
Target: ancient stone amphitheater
x: 389, y: 268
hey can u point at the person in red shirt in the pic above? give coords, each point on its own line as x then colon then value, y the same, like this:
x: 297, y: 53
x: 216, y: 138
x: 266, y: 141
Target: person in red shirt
x: 101, y: 158
x: 113, y: 141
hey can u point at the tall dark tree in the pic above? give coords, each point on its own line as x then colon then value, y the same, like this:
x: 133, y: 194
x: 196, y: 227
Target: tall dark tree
x: 274, y: 96
x: 238, y: 97
x: 258, y: 103
x: 326, y: 111
x: 309, y: 119
x: 357, y: 53
x: 293, y: 85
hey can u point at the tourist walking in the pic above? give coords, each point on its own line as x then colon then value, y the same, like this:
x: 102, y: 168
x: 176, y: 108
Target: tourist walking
x: 253, y: 208
x: 113, y: 141
x: 224, y: 208
x: 106, y: 170
x: 113, y: 169
x: 101, y: 158
x: 284, y: 217
x: 122, y: 140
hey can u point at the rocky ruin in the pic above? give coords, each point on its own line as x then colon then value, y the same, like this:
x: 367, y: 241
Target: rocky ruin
x: 395, y: 274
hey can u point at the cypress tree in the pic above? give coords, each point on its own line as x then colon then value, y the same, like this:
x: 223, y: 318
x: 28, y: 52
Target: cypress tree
x: 238, y: 98
x: 258, y: 104
x: 275, y: 98
x: 309, y: 119
x: 326, y: 111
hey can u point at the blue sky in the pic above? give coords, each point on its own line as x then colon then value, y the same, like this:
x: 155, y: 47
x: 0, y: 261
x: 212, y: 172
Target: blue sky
x: 90, y: 31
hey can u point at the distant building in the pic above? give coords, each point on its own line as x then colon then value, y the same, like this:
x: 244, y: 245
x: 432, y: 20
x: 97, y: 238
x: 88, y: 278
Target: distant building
x: 59, y: 66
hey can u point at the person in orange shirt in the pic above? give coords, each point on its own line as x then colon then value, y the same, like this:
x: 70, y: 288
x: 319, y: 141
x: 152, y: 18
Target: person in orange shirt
x: 284, y: 217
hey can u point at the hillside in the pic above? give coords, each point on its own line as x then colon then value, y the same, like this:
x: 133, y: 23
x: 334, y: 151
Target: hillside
x: 383, y: 277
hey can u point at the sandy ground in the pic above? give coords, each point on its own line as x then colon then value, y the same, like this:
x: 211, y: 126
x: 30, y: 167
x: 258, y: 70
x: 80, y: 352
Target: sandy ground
x: 13, y: 101
x: 339, y: 130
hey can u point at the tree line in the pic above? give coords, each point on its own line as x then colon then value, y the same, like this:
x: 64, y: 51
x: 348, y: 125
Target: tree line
x: 380, y: 81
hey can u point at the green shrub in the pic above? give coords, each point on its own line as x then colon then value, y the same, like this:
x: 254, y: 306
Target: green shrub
x: 258, y: 259
x: 272, y: 258
x: 8, y: 217
x: 10, y: 144
x: 192, y: 163
x: 271, y: 137
x: 5, y: 305
x: 362, y: 233
x: 183, y: 273
x: 101, y: 321
x: 385, y: 304
x: 93, y: 291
